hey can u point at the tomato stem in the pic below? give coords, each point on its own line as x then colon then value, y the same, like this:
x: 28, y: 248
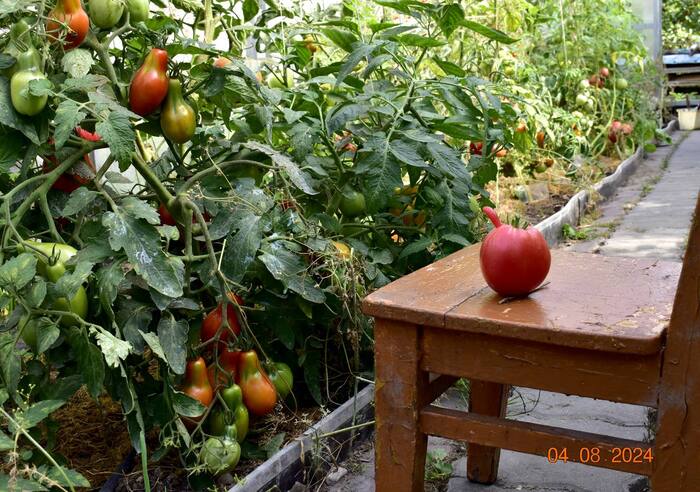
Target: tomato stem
x: 493, y: 217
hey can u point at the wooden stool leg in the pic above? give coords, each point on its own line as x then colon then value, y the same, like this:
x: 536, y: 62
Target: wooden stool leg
x: 486, y: 399
x: 400, y: 385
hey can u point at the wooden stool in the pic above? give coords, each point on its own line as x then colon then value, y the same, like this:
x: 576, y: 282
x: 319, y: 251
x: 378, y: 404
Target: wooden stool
x: 597, y: 330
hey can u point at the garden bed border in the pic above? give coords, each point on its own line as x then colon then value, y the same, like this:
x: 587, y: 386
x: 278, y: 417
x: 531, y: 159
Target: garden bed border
x: 575, y: 208
x: 286, y: 466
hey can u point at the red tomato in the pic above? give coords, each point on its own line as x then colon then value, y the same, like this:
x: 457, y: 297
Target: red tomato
x: 213, y: 320
x: 68, y: 13
x: 259, y: 393
x: 228, y: 360
x: 540, y: 139
x: 604, y: 73
x: 150, y: 84
x: 514, y: 261
x: 221, y: 62
x: 476, y: 148
x: 165, y: 217
x: 81, y: 174
x: 86, y: 135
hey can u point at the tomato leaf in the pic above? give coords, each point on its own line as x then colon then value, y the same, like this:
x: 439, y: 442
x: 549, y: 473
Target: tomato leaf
x: 288, y: 268
x: 488, y: 32
x: 77, y: 63
x: 173, y: 339
x: 20, y: 483
x: 449, y: 18
x: 119, y: 134
x: 5, y: 442
x: 301, y: 179
x: 242, y: 247
x: 35, y: 414
x: 108, y: 280
x: 141, y: 242
x: 186, y: 406
x: 59, y: 475
x: 153, y: 342
x: 342, y: 38
x: 68, y: 116
x: 47, y: 334
x: 10, y: 362
x: 382, y: 173
x: 418, y: 40
x: 140, y: 209
x: 78, y: 201
x: 18, y: 271
x: 250, y: 9
x: 90, y: 361
x: 113, y: 349
x: 360, y: 51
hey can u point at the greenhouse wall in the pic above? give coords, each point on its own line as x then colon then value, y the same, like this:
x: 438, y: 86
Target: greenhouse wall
x: 649, y: 13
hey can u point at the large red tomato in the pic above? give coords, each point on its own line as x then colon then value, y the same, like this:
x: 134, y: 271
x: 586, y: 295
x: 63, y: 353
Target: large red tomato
x: 514, y: 261
x: 213, y: 320
x: 150, y: 84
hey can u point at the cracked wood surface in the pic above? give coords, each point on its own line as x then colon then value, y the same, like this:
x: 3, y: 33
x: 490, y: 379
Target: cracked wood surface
x: 592, y: 302
x: 677, y: 463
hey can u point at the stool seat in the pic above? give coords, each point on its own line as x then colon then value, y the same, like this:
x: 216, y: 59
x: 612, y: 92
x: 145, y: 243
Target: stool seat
x: 608, y: 304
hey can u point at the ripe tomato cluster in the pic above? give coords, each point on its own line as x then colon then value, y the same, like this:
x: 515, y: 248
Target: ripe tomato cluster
x: 245, y: 387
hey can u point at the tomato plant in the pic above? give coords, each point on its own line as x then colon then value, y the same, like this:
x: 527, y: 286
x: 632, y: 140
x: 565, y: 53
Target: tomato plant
x: 180, y: 171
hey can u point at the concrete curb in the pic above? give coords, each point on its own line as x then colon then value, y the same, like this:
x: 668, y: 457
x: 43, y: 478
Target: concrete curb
x: 571, y: 213
x: 287, y: 466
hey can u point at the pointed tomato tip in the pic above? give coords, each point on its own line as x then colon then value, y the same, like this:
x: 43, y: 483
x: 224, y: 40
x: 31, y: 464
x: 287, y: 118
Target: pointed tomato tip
x: 493, y: 217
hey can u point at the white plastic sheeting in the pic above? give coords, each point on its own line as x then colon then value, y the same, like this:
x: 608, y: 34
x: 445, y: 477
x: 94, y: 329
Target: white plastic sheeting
x: 649, y: 13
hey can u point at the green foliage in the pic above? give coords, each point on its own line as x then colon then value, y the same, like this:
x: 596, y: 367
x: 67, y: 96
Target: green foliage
x: 680, y: 23
x: 338, y: 163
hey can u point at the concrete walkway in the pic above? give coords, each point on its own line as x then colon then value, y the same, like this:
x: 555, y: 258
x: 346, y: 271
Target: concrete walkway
x: 648, y: 217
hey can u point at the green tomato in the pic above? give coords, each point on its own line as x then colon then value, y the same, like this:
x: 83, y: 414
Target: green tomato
x: 278, y: 83
x: 581, y: 100
x: 352, y: 203
x: 590, y: 104
x: 138, y: 10
x: 78, y: 305
x: 221, y: 454
x: 236, y: 413
x: 51, y: 264
x: 281, y: 376
x: 106, y: 13
x: 30, y: 333
x: 584, y: 84
x: 621, y: 84
x: 509, y: 70
x: 27, y: 70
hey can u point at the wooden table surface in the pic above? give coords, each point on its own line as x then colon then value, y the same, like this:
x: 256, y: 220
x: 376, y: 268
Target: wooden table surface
x: 591, y: 302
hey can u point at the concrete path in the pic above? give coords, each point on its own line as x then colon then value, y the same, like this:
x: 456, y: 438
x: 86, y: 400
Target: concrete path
x: 648, y: 217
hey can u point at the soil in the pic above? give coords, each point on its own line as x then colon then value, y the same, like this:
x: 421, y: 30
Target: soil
x: 91, y: 436
x: 532, y: 198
